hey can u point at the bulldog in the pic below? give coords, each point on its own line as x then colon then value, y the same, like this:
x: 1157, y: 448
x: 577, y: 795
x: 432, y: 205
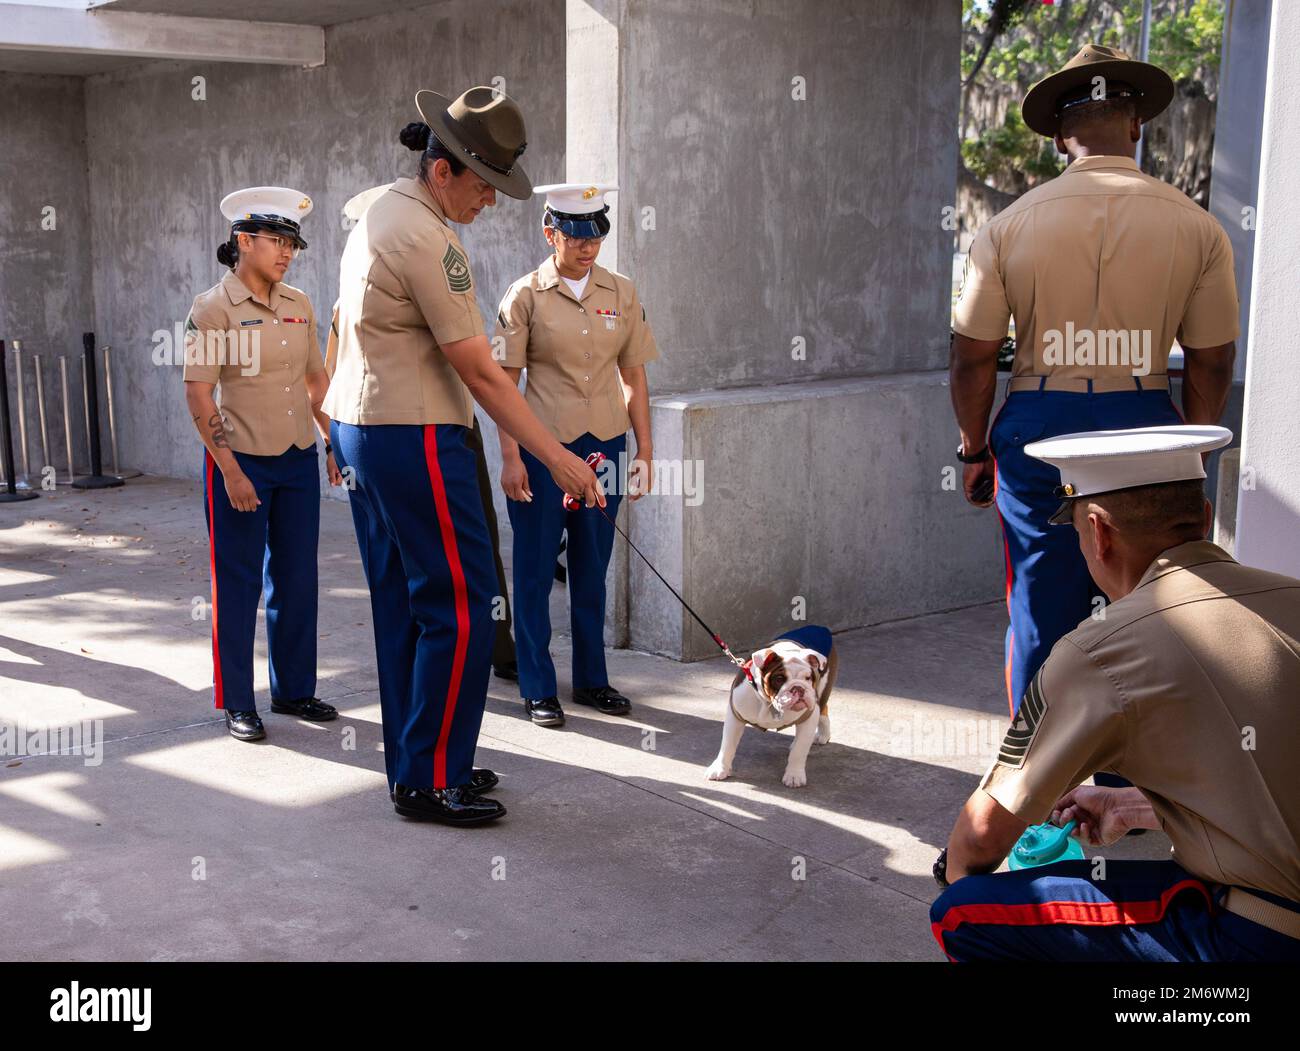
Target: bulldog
x: 791, y: 686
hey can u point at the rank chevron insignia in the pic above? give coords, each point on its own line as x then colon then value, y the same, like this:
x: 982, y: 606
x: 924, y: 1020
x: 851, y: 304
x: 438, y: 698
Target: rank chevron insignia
x: 1020, y: 735
x: 456, y: 267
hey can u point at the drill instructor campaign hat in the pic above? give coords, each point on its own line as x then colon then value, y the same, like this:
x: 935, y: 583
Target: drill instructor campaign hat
x: 484, y: 128
x: 1150, y: 86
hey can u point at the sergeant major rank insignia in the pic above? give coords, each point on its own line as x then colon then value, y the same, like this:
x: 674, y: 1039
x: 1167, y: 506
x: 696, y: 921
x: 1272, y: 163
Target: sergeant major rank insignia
x: 1020, y: 734
x: 456, y: 267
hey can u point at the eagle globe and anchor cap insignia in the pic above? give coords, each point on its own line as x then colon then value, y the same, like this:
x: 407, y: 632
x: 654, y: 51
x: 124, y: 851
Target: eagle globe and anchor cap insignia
x: 456, y: 267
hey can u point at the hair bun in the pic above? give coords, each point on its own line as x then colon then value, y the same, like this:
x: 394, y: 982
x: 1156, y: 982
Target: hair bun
x: 225, y: 256
x: 415, y: 136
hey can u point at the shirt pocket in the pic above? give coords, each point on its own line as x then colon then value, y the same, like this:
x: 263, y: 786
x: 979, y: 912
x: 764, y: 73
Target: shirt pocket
x: 550, y: 333
x: 611, y: 335
x: 294, y: 337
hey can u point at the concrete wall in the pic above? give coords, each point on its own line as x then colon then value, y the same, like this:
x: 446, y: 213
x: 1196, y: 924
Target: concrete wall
x: 160, y: 162
x: 777, y: 218
x: 45, y: 299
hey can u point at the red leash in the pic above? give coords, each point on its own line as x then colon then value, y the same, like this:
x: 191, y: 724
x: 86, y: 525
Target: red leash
x: 572, y: 503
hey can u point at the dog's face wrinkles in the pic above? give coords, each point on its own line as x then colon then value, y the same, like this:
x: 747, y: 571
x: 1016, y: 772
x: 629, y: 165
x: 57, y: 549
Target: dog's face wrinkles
x: 790, y: 681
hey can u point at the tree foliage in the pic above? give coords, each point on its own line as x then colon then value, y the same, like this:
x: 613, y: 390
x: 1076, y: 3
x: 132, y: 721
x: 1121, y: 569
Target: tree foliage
x: 1008, y: 45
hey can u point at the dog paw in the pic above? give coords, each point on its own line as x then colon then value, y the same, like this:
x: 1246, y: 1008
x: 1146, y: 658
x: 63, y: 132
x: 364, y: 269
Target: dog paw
x: 718, y: 772
x: 794, y: 778
x: 823, y: 735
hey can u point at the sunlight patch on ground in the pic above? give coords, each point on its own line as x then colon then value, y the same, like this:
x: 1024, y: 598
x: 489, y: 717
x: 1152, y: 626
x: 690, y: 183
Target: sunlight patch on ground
x: 18, y: 849
x: 54, y: 793
x: 261, y: 772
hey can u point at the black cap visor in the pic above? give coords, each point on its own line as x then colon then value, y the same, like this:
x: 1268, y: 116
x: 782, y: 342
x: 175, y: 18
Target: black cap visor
x: 593, y: 224
x: 1064, y: 515
x: 252, y: 224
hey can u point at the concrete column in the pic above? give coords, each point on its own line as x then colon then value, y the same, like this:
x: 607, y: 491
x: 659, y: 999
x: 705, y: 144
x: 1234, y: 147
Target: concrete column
x: 592, y: 131
x: 593, y: 137
x: 1239, y: 118
x: 1268, y: 516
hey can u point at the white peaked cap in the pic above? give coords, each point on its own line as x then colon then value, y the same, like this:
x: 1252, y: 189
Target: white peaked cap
x: 576, y: 198
x: 1102, y: 461
x: 290, y: 205
x: 356, y: 206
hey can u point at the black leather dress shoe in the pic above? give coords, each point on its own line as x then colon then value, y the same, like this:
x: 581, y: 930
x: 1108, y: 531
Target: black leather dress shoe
x: 604, y: 699
x: 508, y: 670
x: 480, y: 780
x: 483, y: 780
x: 450, y: 806
x: 306, y: 708
x: 245, y: 726
x: 544, y: 711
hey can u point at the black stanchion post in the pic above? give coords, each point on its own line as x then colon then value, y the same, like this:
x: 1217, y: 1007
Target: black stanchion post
x: 96, y: 479
x: 11, y: 493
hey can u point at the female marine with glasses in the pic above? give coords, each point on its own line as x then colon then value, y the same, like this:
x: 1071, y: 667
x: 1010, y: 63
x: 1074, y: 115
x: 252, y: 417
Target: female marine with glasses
x: 253, y: 338
x: 580, y: 335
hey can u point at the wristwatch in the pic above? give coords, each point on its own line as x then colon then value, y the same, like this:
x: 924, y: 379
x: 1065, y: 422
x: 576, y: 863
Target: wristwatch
x: 940, y: 869
x: 328, y: 448
x: 978, y: 457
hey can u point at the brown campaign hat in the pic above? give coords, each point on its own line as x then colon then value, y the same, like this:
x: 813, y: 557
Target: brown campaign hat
x: 1154, y: 87
x: 485, y: 129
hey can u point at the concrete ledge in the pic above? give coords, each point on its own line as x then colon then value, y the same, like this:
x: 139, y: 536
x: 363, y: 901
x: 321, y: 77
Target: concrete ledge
x: 826, y: 502
x: 135, y: 34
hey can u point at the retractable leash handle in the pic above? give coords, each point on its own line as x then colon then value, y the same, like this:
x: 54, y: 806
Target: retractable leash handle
x: 573, y: 503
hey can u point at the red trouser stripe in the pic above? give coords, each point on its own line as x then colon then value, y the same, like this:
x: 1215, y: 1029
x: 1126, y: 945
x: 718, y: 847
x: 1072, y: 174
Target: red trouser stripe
x: 462, y: 602
x: 212, y: 565
x: 1075, y: 913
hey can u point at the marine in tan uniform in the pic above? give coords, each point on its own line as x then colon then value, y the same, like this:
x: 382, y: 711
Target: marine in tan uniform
x: 251, y: 341
x: 503, y: 645
x: 1187, y: 687
x: 579, y: 334
x: 411, y: 358
x: 1102, y: 269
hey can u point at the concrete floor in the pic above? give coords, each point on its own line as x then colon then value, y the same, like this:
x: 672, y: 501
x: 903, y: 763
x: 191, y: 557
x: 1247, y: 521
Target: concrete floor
x: 184, y: 844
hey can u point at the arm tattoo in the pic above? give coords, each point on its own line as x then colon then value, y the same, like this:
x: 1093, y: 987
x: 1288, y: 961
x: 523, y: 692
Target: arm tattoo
x: 218, y: 432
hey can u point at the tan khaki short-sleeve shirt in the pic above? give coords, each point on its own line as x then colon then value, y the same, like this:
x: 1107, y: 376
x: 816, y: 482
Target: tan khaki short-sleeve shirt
x: 573, y: 348
x: 258, y: 355
x: 405, y: 289
x: 332, y: 343
x: 1187, y: 687
x: 1102, y: 268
